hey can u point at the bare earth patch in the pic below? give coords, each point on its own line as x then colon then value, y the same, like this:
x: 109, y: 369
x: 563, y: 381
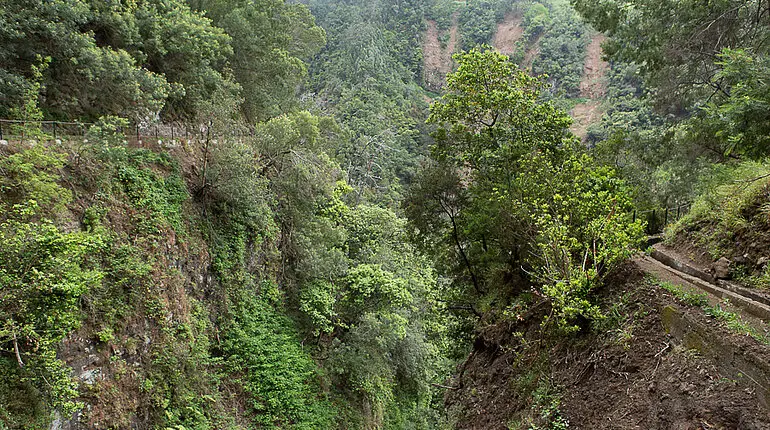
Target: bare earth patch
x: 637, y: 376
x: 584, y: 115
x: 592, y: 87
x: 509, y: 31
x: 438, y: 59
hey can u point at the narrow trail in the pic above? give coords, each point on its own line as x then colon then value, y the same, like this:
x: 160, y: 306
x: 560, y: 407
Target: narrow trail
x: 667, y: 265
x: 668, y: 365
x: 731, y: 350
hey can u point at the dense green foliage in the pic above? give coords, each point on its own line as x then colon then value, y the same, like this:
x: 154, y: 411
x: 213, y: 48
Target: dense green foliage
x: 197, y: 278
x: 552, y: 29
x: 270, y: 40
x: 511, y: 198
x: 479, y: 20
x: 45, y: 271
x: 681, y: 60
x: 687, y: 117
x: 366, y: 79
x: 318, y: 255
x: 562, y: 48
x: 691, y: 96
x: 154, y: 57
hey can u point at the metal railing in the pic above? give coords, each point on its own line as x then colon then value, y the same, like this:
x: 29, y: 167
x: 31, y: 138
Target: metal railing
x: 659, y: 218
x: 12, y: 129
x: 19, y: 130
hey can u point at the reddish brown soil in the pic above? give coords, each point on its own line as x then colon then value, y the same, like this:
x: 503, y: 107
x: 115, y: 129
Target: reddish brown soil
x: 585, y: 114
x: 592, y: 87
x: 509, y: 31
x: 646, y: 381
x: 437, y: 60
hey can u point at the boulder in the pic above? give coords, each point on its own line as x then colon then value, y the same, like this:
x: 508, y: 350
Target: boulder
x: 721, y: 268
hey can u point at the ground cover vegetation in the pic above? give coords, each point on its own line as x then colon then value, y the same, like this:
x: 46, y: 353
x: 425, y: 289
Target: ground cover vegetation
x: 685, y: 116
x: 701, y: 78
x: 218, y: 282
x: 326, y: 249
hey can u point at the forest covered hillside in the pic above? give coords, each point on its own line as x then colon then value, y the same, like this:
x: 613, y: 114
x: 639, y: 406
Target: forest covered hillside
x: 545, y: 38
x: 389, y: 214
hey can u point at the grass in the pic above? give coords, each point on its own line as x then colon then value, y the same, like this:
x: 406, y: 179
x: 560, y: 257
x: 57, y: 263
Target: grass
x: 734, y: 322
x: 759, y: 281
x: 733, y: 199
x: 686, y: 297
x: 731, y: 320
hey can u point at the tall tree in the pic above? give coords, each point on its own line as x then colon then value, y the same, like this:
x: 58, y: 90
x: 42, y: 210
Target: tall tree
x: 271, y: 39
x: 520, y: 194
x: 677, y: 43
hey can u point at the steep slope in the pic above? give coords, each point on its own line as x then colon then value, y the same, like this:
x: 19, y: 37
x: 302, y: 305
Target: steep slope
x: 727, y: 230
x: 509, y: 31
x: 162, y: 295
x: 592, y: 87
x: 653, y: 363
x: 438, y: 47
x: 532, y: 52
x: 175, y: 327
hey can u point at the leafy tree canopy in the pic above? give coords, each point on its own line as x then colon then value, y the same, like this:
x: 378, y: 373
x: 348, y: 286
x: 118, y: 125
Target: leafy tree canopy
x: 155, y: 58
x: 510, y: 190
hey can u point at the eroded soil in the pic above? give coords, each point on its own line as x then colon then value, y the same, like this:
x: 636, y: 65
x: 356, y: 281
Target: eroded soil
x: 592, y: 87
x: 509, y: 31
x: 437, y: 57
x: 628, y: 375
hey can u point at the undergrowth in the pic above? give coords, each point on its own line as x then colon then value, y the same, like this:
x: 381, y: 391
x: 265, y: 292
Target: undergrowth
x: 543, y: 411
x: 95, y: 240
x: 731, y: 320
x: 734, y: 201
